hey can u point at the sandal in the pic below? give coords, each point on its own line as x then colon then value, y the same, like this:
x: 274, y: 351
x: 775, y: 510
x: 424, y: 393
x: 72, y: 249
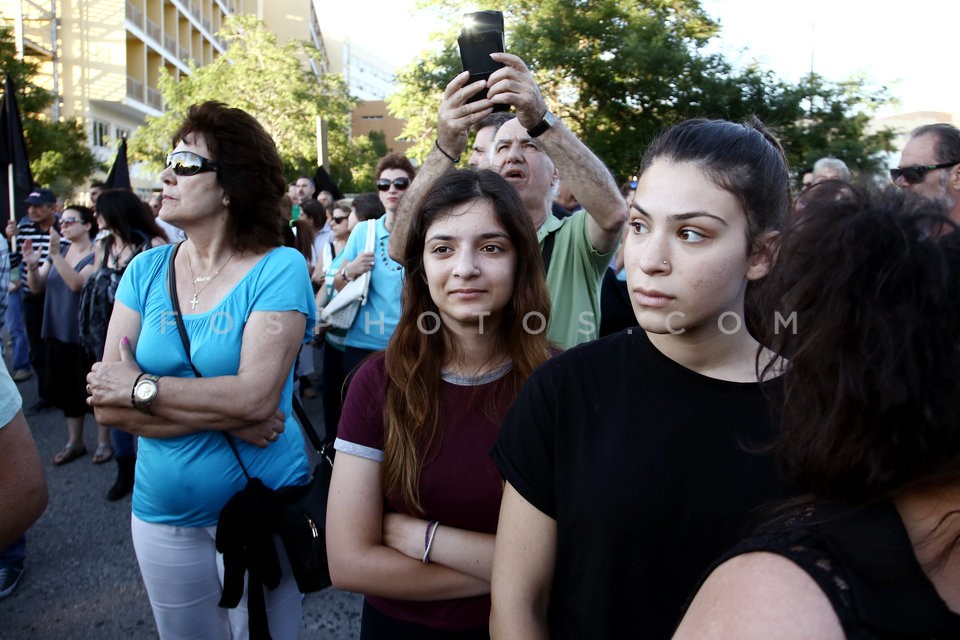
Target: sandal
x: 69, y: 454
x: 104, y: 453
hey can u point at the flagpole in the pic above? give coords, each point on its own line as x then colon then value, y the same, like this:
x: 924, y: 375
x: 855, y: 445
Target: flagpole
x: 13, y: 211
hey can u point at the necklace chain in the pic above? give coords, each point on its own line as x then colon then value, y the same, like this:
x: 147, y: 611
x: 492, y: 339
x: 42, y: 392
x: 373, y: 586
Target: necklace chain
x: 204, y: 280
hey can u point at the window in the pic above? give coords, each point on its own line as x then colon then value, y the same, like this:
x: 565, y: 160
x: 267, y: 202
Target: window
x: 122, y: 134
x: 101, y: 133
x: 371, y: 117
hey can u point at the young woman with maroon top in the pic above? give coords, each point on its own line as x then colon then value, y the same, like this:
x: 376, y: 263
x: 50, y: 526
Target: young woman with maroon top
x: 415, y: 495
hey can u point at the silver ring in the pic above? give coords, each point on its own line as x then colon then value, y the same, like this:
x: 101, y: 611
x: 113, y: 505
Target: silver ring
x: 89, y: 390
x: 276, y: 436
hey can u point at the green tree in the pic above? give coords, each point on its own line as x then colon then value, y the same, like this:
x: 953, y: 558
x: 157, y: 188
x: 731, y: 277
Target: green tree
x: 836, y: 122
x: 619, y: 71
x: 58, y: 151
x: 365, y: 152
x: 270, y: 82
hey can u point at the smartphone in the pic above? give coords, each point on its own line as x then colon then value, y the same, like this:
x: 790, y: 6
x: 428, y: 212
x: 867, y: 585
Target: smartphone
x: 481, y: 35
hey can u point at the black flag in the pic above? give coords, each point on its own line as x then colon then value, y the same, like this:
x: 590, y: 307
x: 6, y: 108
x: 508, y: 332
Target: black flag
x: 323, y: 182
x: 13, y: 151
x: 119, y: 176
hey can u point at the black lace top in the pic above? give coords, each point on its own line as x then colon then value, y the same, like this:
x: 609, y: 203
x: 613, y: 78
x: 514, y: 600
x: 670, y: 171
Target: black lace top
x: 863, y: 561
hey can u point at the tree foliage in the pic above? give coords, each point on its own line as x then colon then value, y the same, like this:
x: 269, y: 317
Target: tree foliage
x: 269, y: 81
x: 619, y: 71
x: 365, y: 152
x: 59, y: 156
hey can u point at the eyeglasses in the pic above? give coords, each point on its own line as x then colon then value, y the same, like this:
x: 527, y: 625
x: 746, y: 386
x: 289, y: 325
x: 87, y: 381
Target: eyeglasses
x: 915, y: 175
x: 188, y: 163
x: 66, y: 222
x: 338, y: 220
x: 400, y: 183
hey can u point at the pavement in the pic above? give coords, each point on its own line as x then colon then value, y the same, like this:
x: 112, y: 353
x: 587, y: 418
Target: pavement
x: 81, y: 578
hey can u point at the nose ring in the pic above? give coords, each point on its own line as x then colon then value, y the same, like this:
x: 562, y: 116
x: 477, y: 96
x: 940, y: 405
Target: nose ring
x: 664, y: 263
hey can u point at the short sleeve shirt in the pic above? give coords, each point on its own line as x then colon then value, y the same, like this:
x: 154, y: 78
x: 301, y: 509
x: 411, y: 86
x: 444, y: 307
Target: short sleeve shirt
x: 185, y: 481
x: 460, y: 485
x: 650, y: 471
x: 10, y: 400
x: 379, y: 316
x: 573, y: 279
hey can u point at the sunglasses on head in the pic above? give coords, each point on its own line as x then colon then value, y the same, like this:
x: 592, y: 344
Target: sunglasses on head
x: 400, y: 183
x: 915, y: 175
x: 338, y: 220
x: 188, y: 163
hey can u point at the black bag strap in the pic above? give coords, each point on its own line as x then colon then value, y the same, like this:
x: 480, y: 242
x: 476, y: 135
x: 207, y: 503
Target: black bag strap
x: 172, y: 290
x: 548, y: 250
x: 302, y: 416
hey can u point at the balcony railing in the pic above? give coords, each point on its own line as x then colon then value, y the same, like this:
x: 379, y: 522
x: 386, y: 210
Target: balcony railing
x: 134, y: 88
x: 155, y: 98
x: 134, y: 14
x: 153, y: 30
x: 170, y: 43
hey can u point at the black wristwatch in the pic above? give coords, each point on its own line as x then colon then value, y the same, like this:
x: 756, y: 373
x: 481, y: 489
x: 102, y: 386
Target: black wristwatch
x: 547, y: 121
x: 144, y: 392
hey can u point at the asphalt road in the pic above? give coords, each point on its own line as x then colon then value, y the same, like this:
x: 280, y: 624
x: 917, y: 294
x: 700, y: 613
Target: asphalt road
x: 81, y: 579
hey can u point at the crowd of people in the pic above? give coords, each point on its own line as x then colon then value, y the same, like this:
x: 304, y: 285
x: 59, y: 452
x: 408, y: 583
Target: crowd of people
x: 764, y: 442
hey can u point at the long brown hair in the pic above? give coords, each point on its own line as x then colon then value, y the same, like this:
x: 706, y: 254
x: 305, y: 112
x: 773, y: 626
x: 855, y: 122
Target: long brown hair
x: 414, y: 357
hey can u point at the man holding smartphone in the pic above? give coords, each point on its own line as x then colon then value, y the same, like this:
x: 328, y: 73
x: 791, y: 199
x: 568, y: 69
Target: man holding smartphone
x: 531, y: 151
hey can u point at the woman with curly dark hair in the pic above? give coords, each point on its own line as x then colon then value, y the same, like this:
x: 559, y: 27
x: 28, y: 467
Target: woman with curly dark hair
x: 870, y: 428
x: 414, y: 497
x: 247, y: 306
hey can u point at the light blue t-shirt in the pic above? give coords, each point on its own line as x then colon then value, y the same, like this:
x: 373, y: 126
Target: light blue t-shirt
x: 10, y: 401
x: 379, y: 316
x: 185, y: 481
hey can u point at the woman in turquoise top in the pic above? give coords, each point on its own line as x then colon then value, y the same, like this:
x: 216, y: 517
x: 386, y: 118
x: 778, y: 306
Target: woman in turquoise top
x: 378, y: 318
x: 247, y: 306
x: 366, y: 206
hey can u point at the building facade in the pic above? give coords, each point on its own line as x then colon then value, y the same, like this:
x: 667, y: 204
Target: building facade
x: 102, y: 58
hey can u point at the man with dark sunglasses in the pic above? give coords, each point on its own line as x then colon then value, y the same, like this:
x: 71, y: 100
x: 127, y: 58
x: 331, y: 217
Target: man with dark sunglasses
x: 930, y: 165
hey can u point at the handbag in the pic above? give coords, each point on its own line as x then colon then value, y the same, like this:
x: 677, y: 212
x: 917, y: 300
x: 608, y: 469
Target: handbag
x: 342, y: 310
x: 301, y: 515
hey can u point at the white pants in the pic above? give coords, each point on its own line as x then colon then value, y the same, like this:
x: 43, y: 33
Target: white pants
x: 183, y: 574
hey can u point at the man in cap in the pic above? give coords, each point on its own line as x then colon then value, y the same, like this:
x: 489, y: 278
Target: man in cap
x: 35, y: 229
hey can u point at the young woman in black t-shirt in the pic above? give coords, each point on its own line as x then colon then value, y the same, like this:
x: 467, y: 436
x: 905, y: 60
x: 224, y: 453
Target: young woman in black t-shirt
x: 629, y: 461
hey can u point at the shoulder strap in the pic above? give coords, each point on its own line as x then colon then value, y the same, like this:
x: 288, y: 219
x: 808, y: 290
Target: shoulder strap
x: 371, y: 235
x: 185, y: 339
x: 548, y: 250
x: 172, y: 289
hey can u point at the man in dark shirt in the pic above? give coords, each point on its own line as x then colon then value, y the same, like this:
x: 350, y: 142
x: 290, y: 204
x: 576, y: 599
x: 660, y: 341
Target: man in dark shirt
x: 35, y: 228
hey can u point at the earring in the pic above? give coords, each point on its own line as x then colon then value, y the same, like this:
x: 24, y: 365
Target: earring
x: 226, y: 201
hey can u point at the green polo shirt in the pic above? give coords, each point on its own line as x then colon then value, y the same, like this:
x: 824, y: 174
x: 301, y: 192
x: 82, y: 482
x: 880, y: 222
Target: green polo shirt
x: 573, y: 279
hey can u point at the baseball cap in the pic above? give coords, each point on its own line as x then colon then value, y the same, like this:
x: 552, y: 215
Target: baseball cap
x: 41, y: 196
